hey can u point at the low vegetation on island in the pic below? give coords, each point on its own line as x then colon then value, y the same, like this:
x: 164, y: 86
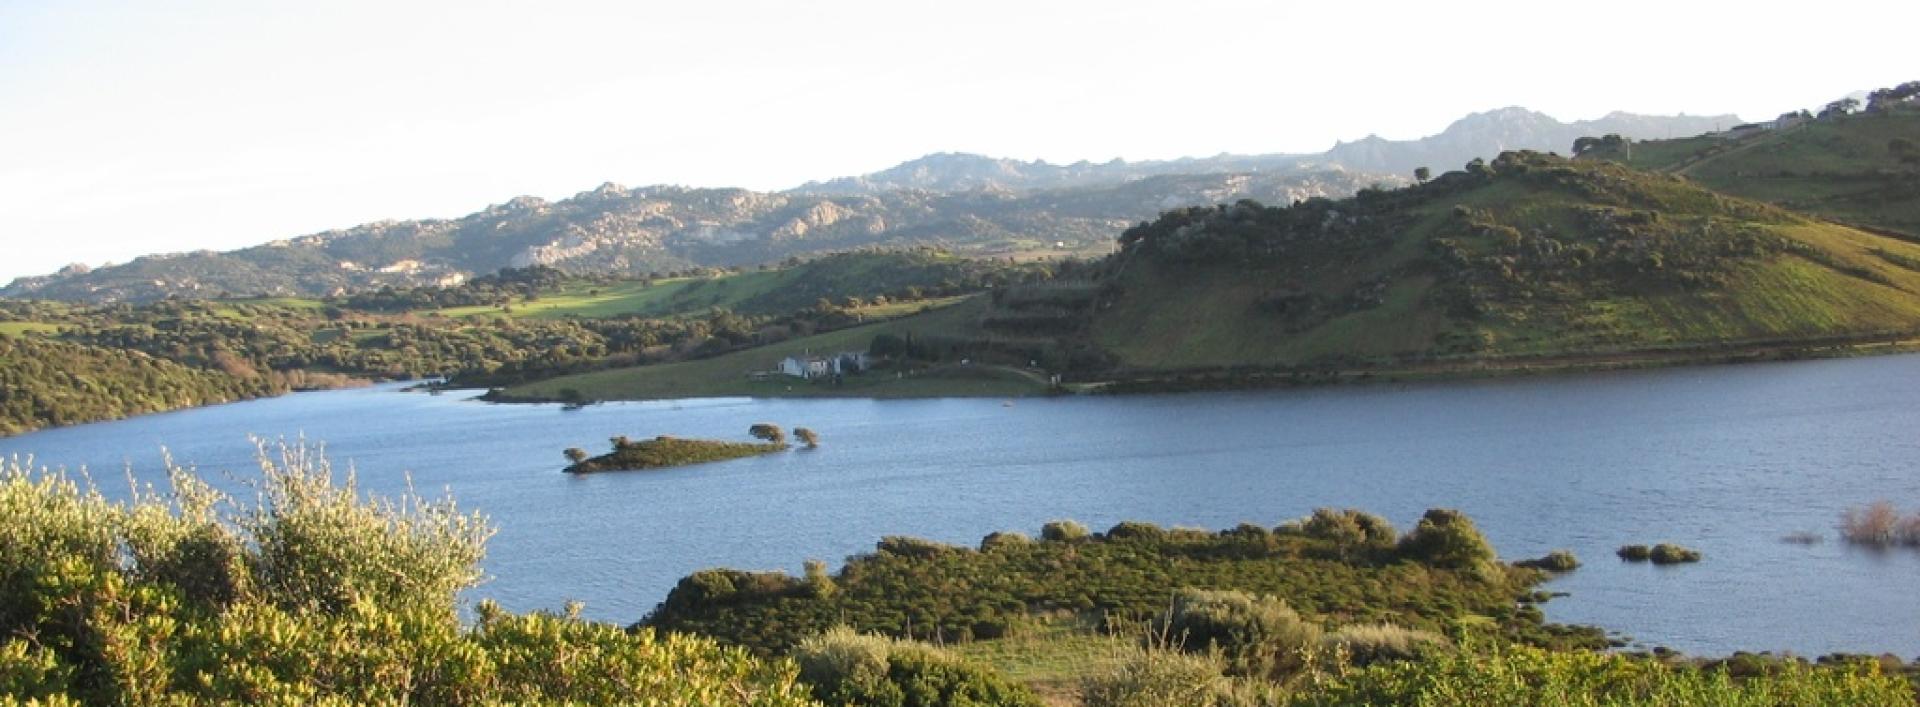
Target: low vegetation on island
x: 1661, y: 554
x: 665, y: 451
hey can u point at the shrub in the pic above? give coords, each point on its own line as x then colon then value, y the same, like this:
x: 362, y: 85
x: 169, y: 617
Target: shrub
x: 1136, y: 530
x: 1670, y: 554
x: 1634, y: 553
x: 819, y: 582
x: 318, y: 596
x: 1061, y: 531
x: 1155, y: 678
x: 845, y: 667
x: 1352, y: 533
x: 807, y: 437
x: 1879, y: 524
x: 1366, y: 644
x: 1255, y: 635
x: 769, y: 432
x: 1556, y: 561
x: 1518, y: 675
x: 905, y: 546
x: 1448, y: 539
x: 1004, y: 539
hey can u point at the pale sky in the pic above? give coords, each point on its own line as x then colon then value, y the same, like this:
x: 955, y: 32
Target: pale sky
x: 136, y: 127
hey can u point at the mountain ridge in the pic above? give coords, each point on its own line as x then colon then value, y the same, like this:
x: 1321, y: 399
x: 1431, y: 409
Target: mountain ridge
x: 975, y: 204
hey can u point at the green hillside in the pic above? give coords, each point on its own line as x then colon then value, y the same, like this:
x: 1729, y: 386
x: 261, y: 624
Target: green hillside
x: 1531, y: 255
x: 1861, y: 169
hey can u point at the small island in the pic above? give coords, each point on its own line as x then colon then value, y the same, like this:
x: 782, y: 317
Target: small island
x: 667, y: 451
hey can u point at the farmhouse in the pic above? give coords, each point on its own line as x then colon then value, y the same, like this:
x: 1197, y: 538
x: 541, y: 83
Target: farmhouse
x: 810, y: 366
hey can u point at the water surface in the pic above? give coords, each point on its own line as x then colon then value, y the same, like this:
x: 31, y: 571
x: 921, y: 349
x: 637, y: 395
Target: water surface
x: 1724, y: 459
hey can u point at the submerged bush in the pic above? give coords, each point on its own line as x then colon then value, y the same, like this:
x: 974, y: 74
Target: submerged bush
x: 848, y: 668
x: 317, y: 596
x: 1556, y: 561
x: 1670, y: 554
x: 1879, y: 524
x: 1634, y: 553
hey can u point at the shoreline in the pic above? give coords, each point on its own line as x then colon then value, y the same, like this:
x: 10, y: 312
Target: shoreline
x: 1223, y: 379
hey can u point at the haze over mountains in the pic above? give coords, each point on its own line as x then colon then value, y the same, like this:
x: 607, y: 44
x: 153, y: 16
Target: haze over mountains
x: 969, y: 203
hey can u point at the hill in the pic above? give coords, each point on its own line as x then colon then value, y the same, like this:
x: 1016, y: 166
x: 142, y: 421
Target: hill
x: 1482, y: 135
x: 977, y: 206
x: 1529, y: 255
x: 1530, y: 260
x: 1861, y: 168
x: 659, y: 230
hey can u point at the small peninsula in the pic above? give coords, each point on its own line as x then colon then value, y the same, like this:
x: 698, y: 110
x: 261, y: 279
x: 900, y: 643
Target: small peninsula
x: 666, y: 451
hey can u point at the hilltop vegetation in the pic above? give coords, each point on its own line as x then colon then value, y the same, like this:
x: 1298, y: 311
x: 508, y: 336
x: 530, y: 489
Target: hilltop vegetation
x: 1529, y: 255
x: 57, y: 383
x: 1853, y: 166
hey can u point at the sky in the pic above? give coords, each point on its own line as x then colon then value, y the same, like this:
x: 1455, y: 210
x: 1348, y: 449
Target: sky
x: 129, y: 128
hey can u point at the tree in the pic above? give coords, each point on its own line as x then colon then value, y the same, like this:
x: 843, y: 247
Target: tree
x: 1840, y: 107
x: 572, y: 396
x: 807, y: 437
x: 769, y: 432
x: 1421, y: 174
x: 576, y: 454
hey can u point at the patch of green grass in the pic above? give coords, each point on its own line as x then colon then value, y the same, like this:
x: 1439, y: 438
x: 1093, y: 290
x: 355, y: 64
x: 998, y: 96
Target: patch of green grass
x: 729, y: 374
x: 21, y: 328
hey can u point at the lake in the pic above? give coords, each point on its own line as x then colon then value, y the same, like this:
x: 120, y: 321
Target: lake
x: 1724, y: 459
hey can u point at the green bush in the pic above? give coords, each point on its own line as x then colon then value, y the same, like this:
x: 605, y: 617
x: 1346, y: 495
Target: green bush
x: 1136, y: 530
x: 1634, y: 553
x: 847, y: 668
x: 1004, y: 539
x: 905, y: 546
x: 1670, y: 554
x: 1255, y: 635
x: 1061, y: 531
x: 317, y: 596
x: 1522, y: 676
x: 1156, y: 678
x: 1447, y: 538
x: 1556, y: 561
x: 1366, y: 644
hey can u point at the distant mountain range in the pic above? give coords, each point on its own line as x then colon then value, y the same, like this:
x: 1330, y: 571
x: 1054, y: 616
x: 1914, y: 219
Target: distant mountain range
x: 970, y: 203
x: 1483, y: 135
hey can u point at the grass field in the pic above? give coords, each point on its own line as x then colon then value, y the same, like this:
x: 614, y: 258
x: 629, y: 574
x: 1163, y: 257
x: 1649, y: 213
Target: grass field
x: 728, y: 374
x: 19, y: 328
x: 1839, y: 169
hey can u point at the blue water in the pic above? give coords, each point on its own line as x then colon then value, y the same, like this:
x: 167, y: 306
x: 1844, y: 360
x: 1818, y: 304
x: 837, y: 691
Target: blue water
x: 1724, y: 459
